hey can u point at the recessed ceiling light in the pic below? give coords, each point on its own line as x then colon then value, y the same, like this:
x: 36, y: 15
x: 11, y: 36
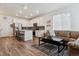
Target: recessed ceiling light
x: 31, y: 14
x: 16, y: 14
x: 25, y: 7
x: 20, y: 11
x: 37, y: 11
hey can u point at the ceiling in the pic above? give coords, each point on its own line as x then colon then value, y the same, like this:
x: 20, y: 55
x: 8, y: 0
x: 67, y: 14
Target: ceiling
x: 28, y: 10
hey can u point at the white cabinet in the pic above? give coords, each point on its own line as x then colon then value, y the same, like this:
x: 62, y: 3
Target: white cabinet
x: 24, y: 35
x: 39, y: 33
x: 28, y: 35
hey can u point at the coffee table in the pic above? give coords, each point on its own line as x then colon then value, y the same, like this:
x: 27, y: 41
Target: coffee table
x: 55, y: 41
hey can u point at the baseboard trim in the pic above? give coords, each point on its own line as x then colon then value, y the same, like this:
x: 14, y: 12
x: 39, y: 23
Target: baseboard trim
x: 6, y: 36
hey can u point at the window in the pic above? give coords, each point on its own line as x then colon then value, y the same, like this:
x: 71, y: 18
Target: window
x: 62, y: 21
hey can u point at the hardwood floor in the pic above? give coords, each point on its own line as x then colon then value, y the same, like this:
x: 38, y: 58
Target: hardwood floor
x: 11, y: 47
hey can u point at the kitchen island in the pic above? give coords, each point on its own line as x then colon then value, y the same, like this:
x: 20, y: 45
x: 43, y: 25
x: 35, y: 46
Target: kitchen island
x: 24, y: 35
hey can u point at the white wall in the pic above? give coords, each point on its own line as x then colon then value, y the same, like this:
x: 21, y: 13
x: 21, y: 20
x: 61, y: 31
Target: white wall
x: 75, y: 17
x: 5, y: 29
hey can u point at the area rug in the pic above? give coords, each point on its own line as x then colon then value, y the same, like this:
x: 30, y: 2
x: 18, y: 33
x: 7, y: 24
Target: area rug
x: 50, y: 50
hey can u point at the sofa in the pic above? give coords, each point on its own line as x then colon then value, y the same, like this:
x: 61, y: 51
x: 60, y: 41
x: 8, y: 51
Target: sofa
x: 67, y: 35
x: 70, y: 37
